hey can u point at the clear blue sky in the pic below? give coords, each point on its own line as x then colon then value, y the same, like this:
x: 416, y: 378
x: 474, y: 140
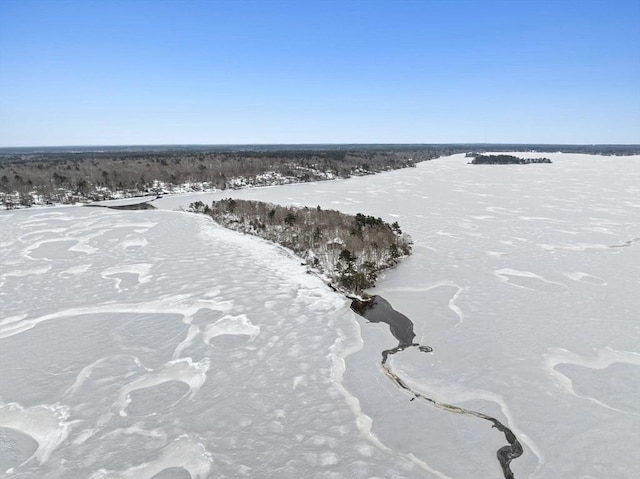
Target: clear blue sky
x: 295, y: 71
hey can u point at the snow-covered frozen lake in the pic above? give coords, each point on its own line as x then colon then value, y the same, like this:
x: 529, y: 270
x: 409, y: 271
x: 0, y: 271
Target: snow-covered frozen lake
x: 154, y: 344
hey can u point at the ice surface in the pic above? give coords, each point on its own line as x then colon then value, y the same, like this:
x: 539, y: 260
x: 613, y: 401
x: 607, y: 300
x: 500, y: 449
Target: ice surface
x: 191, y: 351
x: 541, y: 259
x: 229, y: 360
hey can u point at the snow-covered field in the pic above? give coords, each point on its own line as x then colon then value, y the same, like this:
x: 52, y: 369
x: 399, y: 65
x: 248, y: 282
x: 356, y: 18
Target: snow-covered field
x: 153, y: 344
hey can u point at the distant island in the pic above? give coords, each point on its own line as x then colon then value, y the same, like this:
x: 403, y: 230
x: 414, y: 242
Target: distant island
x: 348, y: 250
x: 479, y: 159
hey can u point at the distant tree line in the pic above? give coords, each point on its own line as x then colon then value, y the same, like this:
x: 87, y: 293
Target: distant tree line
x: 58, y: 176
x: 349, y: 250
x: 504, y: 160
x: 615, y: 150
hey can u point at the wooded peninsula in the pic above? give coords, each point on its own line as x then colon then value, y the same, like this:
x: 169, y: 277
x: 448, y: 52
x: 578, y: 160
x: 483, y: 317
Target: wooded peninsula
x: 348, y: 250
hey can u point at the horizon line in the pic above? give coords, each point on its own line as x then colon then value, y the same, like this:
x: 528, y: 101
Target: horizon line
x: 174, y: 145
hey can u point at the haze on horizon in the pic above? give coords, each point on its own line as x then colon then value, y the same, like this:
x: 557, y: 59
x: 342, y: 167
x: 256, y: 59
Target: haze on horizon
x: 289, y: 72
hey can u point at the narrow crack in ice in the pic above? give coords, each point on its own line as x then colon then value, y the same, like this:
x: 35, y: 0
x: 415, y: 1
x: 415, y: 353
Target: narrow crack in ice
x: 340, y: 350
x: 376, y: 309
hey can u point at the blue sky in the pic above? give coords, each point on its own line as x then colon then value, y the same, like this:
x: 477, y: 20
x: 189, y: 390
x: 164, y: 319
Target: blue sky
x: 239, y: 72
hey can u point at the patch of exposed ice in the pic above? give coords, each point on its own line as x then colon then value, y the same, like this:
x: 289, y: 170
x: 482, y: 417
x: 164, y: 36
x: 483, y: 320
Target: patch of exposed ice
x: 586, y: 278
x: 193, y: 374
x: 185, y: 452
x: 602, y: 359
x: 141, y: 270
x: 21, y: 273
x: 134, y: 243
x: 528, y: 280
x: 75, y: 270
x: 48, y: 425
x: 234, y: 325
x: 573, y: 247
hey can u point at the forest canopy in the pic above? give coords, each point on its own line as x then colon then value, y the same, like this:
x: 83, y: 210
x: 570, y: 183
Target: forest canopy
x: 349, y: 250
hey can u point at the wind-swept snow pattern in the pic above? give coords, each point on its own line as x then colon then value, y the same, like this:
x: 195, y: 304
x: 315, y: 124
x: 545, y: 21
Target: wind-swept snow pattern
x: 184, y: 453
x: 191, y: 351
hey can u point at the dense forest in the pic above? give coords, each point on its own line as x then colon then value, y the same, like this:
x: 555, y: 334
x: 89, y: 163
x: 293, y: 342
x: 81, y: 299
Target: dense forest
x: 503, y: 160
x: 349, y: 250
x: 68, y: 178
